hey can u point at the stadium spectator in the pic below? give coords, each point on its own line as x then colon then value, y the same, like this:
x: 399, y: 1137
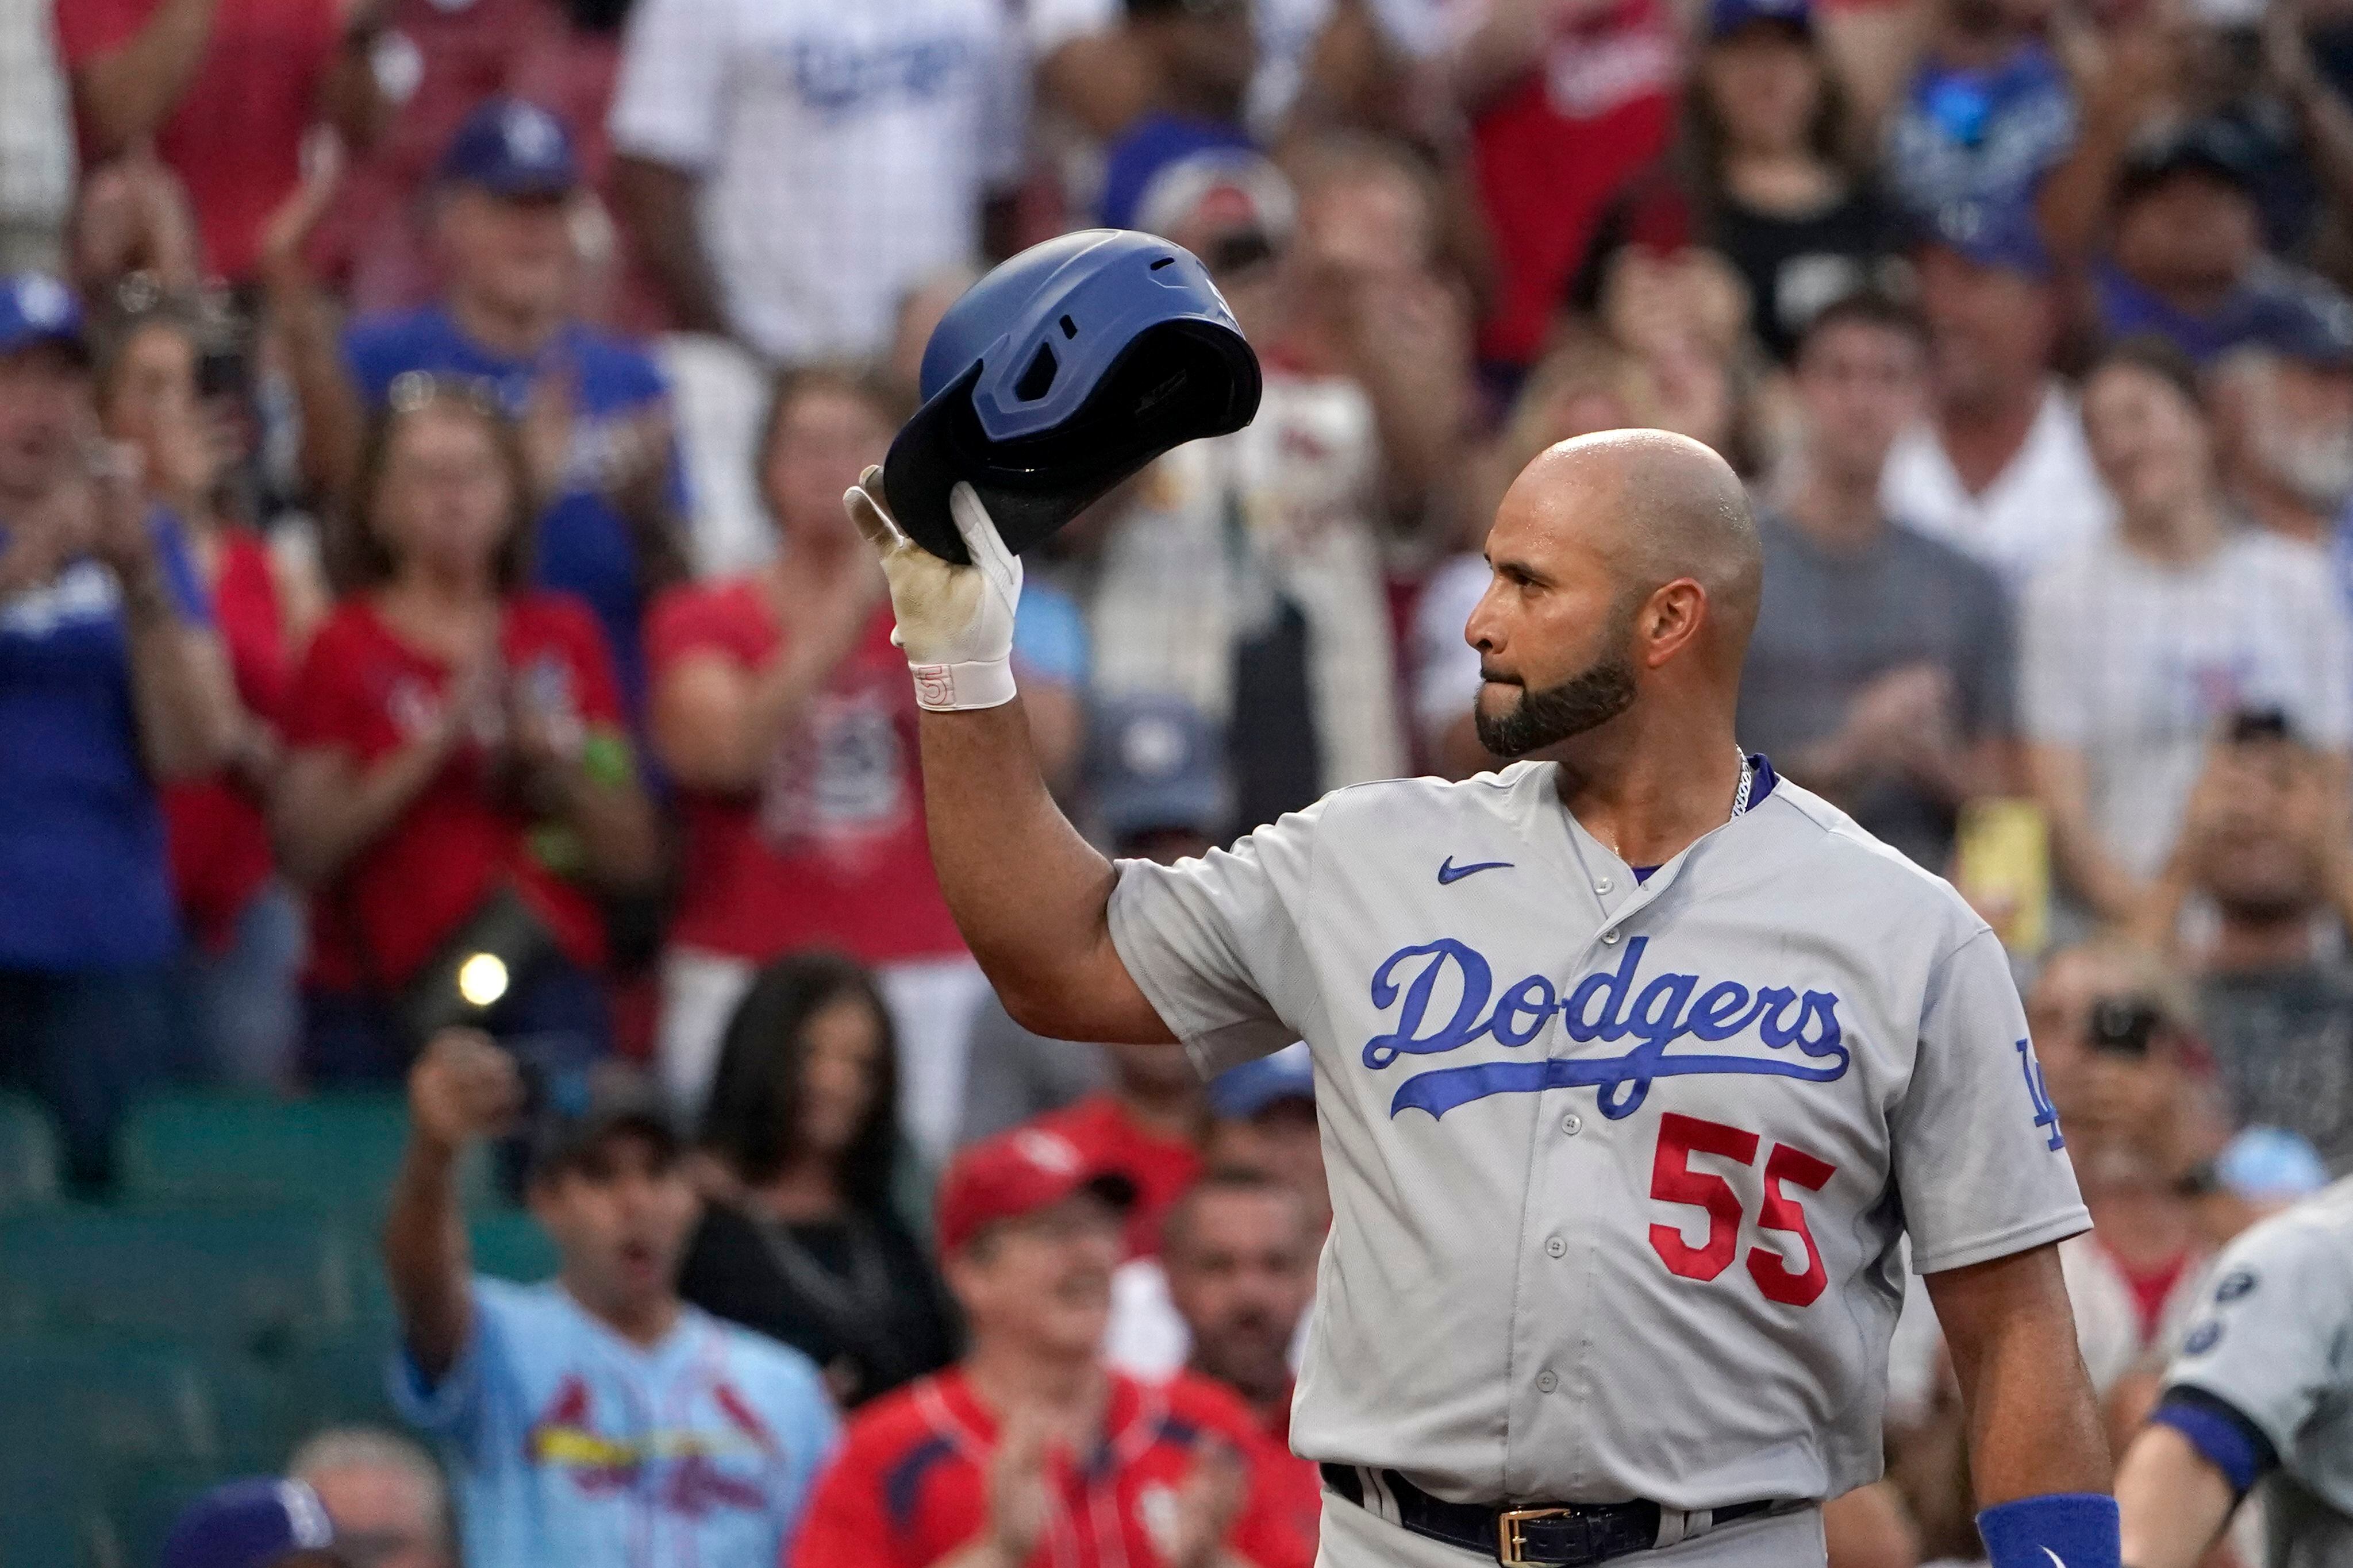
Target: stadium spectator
x: 2132, y: 1093
x: 2187, y: 261
x: 2265, y: 852
x: 2000, y: 468
x: 1262, y: 1123
x: 2284, y: 420
x: 1988, y: 114
x: 2135, y: 649
x: 260, y: 1523
x: 1031, y: 1432
x: 1685, y: 314
x: 1238, y: 1249
x: 1199, y: 57
x: 1768, y: 138
x: 788, y: 172
x: 1567, y: 102
x: 384, y: 1496
x: 224, y: 91
x: 1145, y: 1128
x: 800, y: 1241
x: 243, y: 925
x: 595, y: 1419
x: 593, y: 410
x: 458, y: 775
x: 1589, y: 383
x: 37, y: 153
x: 1155, y: 779
x: 785, y: 716
x: 111, y: 679
x: 1881, y: 670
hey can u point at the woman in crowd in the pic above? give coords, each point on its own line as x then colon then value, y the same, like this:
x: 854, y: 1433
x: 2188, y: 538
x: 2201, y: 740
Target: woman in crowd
x: 800, y: 1241
x: 1766, y: 126
x: 785, y: 716
x: 243, y: 925
x: 2136, y: 652
x: 458, y: 778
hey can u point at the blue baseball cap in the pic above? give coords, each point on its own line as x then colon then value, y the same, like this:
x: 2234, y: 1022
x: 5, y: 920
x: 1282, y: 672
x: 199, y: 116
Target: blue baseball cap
x: 248, y: 1524
x: 35, y: 307
x: 1239, y: 1093
x: 1998, y: 236
x: 512, y: 148
x: 2270, y: 1165
x: 1158, y: 763
x: 1726, y: 17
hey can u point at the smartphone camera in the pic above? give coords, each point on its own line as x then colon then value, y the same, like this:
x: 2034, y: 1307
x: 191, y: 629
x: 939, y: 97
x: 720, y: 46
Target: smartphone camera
x: 2124, y: 1027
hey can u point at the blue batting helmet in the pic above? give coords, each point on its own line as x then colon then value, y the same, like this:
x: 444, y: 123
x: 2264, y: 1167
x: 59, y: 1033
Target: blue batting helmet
x: 1064, y: 371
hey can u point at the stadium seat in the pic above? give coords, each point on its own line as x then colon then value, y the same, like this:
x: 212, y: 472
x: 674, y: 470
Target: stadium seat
x: 258, y: 1278
x: 333, y: 1152
x: 94, y: 1399
x: 28, y: 1155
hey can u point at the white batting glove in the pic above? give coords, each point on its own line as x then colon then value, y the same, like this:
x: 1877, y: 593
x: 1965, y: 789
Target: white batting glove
x: 955, y: 622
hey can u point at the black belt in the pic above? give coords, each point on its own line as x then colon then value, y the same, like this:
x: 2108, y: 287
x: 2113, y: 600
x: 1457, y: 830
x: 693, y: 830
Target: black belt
x: 1536, y: 1536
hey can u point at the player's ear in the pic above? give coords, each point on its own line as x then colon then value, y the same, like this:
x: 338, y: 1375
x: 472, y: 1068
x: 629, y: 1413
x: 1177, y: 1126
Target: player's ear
x: 1669, y: 620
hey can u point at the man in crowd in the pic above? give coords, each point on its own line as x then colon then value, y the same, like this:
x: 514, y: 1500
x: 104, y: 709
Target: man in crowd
x: 1198, y: 55
x: 2284, y: 413
x: 1238, y: 1249
x: 2263, y: 846
x: 223, y: 92
x: 1987, y: 115
x: 789, y: 171
x: 1880, y: 671
x: 2187, y: 260
x: 595, y: 1419
x: 593, y: 410
x: 112, y: 677
x: 1998, y: 470
x: 1031, y: 1448
x: 386, y: 1499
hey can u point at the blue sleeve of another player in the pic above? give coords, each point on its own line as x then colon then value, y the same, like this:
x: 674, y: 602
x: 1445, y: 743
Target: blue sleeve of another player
x: 2221, y: 1435
x: 1049, y: 636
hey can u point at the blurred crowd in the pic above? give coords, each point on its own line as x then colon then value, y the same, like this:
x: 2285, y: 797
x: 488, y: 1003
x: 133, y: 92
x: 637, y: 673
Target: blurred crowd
x: 426, y: 604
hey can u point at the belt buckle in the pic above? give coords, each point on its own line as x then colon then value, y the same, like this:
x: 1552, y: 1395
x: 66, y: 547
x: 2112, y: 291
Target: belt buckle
x: 1510, y: 1540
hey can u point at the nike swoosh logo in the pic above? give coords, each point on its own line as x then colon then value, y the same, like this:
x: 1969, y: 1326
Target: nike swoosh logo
x: 2056, y: 1561
x: 1448, y: 871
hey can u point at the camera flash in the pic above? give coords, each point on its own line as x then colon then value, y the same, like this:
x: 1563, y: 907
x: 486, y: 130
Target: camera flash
x: 482, y: 979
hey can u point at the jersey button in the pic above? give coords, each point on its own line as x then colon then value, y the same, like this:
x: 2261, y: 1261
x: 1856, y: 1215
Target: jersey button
x: 1546, y: 1382
x: 1609, y: 937
x: 1556, y: 1247
x: 1572, y: 1124
x: 1604, y: 885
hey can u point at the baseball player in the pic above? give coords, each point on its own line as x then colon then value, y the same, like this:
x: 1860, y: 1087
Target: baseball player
x: 1635, y: 1064
x: 2260, y: 1395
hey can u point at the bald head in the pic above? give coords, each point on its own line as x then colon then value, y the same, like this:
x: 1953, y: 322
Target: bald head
x: 1624, y: 562
x: 1657, y: 506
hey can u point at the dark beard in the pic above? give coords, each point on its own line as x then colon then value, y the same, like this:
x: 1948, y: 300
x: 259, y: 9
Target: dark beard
x: 1592, y: 697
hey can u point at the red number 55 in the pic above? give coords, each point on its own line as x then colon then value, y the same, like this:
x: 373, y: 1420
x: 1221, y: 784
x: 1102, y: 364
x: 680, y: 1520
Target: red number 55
x: 1673, y: 1181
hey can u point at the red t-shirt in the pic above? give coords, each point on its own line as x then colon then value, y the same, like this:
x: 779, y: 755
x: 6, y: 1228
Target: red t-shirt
x: 1552, y: 152
x: 911, y: 1483
x: 218, y: 836
x: 830, y: 852
x: 1108, y: 1139
x: 363, y: 691
x: 235, y: 137
x: 1298, y: 1484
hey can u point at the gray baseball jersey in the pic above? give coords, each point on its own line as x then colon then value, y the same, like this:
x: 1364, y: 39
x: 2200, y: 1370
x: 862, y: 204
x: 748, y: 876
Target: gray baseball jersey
x: 1619, y: 1168
x: 2275, y: 1345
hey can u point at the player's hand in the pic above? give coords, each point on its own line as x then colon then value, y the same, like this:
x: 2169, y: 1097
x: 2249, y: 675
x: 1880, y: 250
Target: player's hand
x: 955, y: 622
x: 1206, y: 1506
x: 464, y: 1087
x: 1017, y: 1500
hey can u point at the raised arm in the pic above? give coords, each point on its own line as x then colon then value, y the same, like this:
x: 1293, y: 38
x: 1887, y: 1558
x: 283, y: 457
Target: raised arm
x: 462, y: 1088
x: 1031, y: 896
x: 128, y: 92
